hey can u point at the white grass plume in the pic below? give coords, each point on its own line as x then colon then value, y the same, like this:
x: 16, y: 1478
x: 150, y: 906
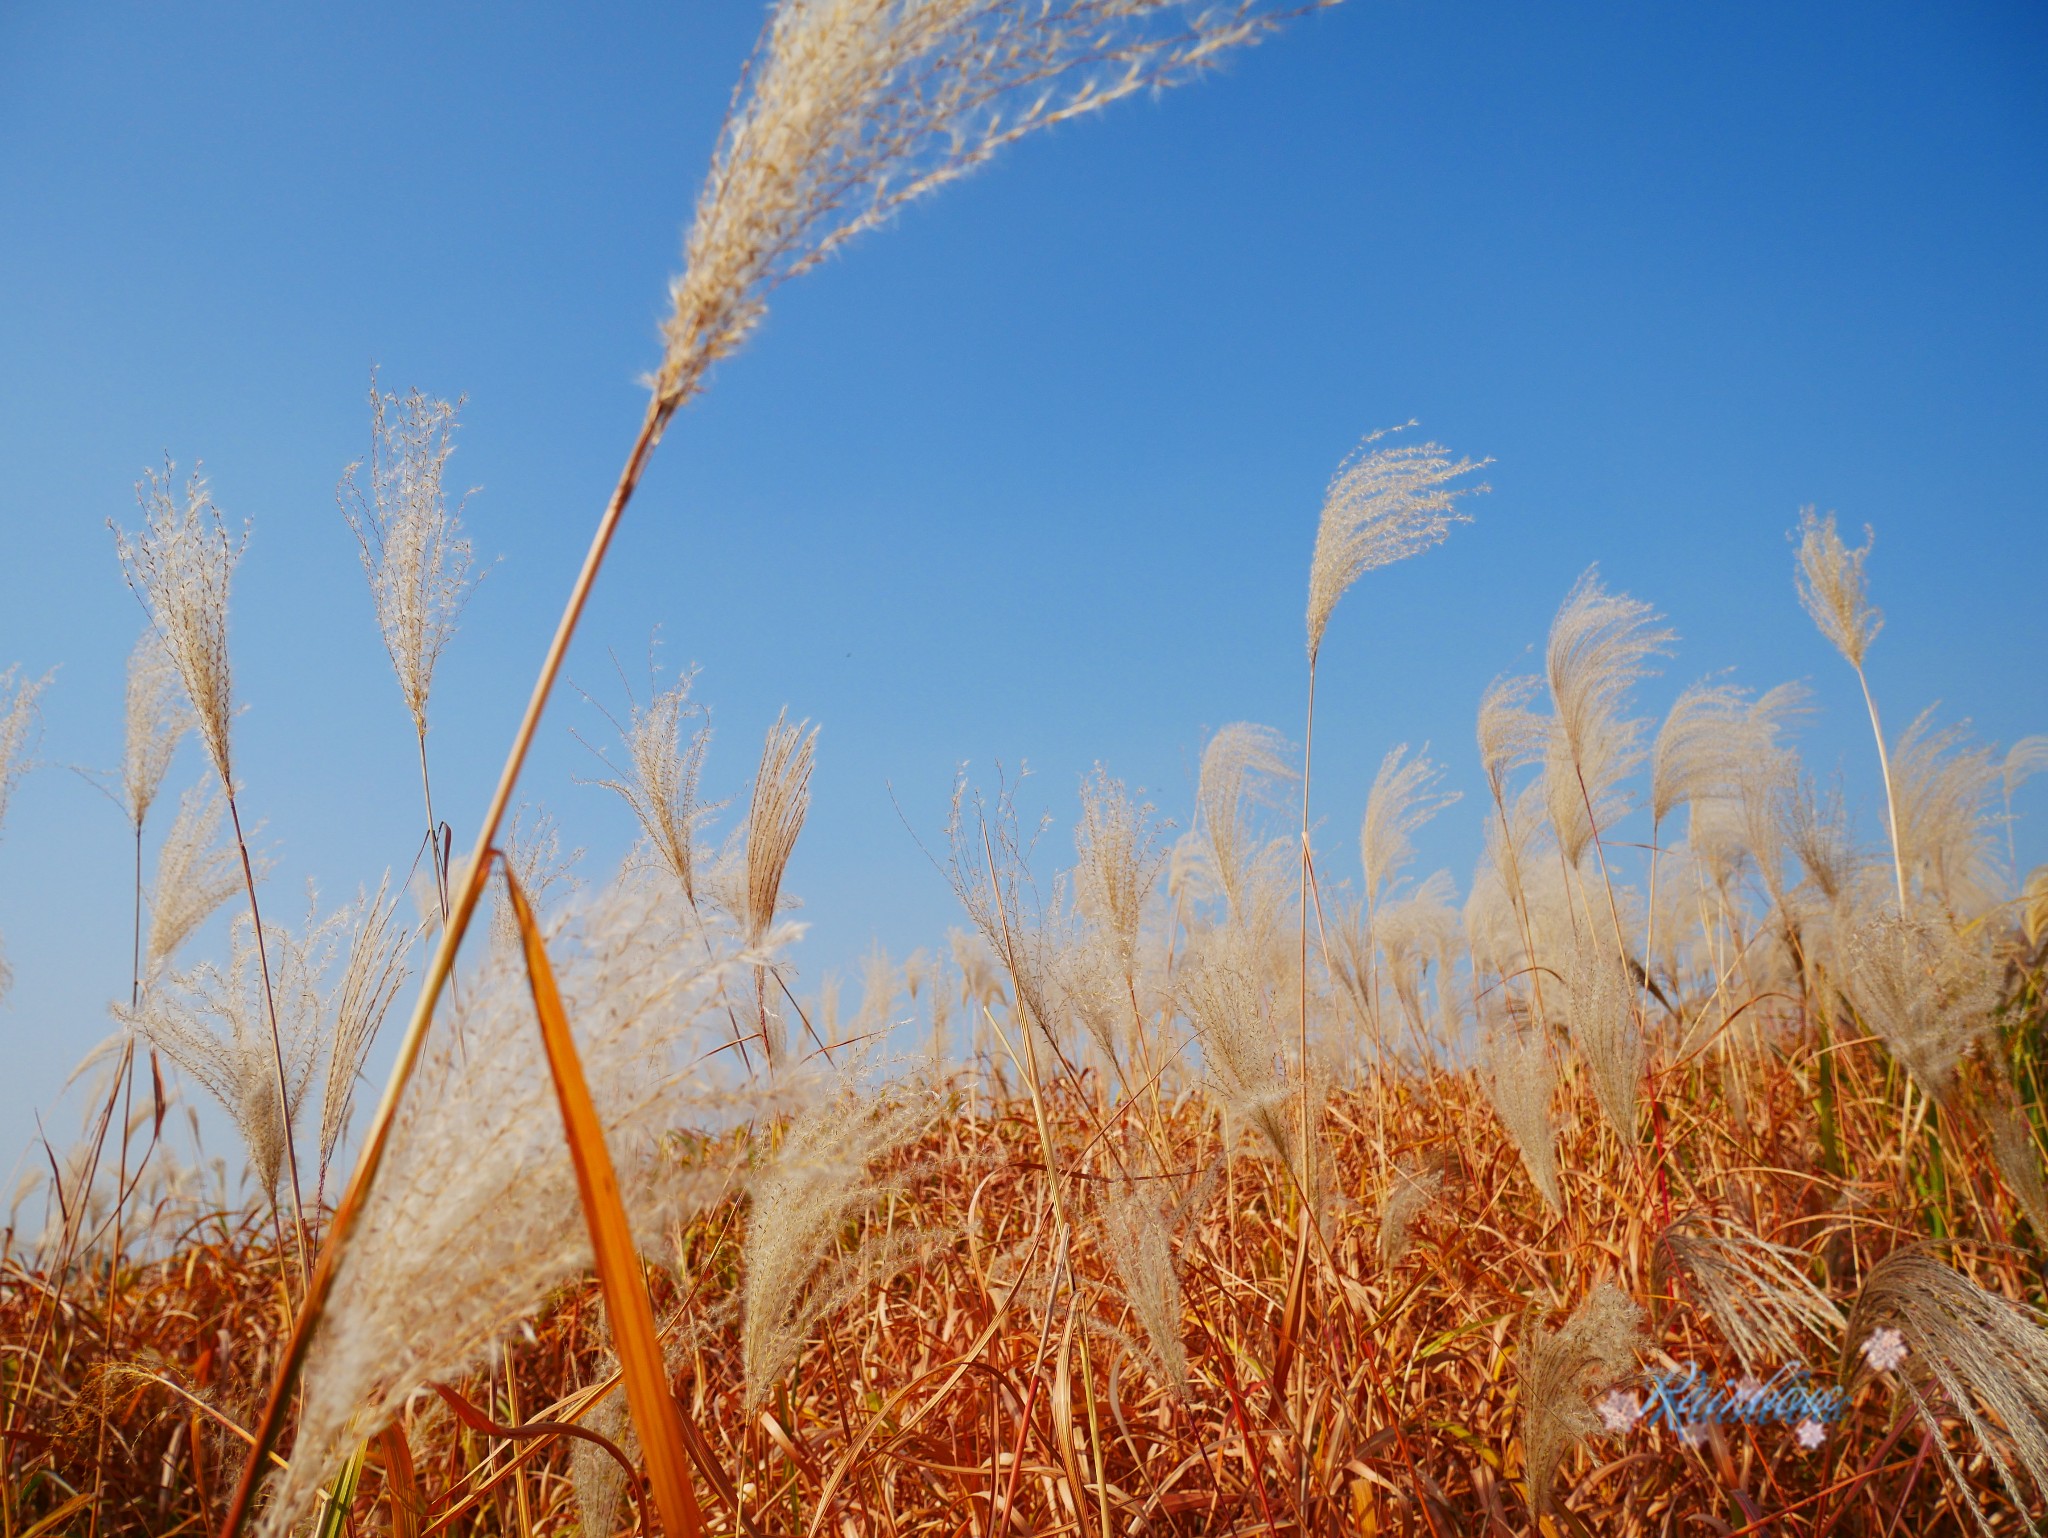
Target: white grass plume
x: 213, y: 1023
x: 1970, y: 1355
x: 1243, y: 1057
x: 1404, y: 796
x: 1412, y: 1192
x: 1138, y: 1224
x: 1832, y: 587
x: 820, y: 1178
x: 1382, y: 506
x: 1239, y: 767
x: 1510, y: 734
x: 1600, y: 646
x: 195, y: 874
x: 156, y: 718
x: 775, y: 816
x: 1947, y: 789
x: 371, y: 977
x: 1758, y: 1293
x: 181, y: 565
x: 20, y: 726
x: 661, y: 783
x: 420, y: 567
x: 1925, y: 991
x: 853, y: 108
x: 1116, y: 865
x: 1563, y: 1372
x: 475, y: 1219
x: 1519, y: 1079
x: 2010, y: 1135
x: 1600, y: 1011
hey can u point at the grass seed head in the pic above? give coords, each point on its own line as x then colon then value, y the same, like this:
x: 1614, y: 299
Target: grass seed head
x: 1563, y: 1372
x: 1831, y: 587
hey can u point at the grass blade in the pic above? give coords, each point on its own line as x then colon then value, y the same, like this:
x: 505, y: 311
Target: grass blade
x: 656, y: 1415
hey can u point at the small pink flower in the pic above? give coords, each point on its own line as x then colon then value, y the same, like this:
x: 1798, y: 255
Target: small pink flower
x: 1811, y: 1433
x: 1884, y: 1349
x: 1619, y: 1410
x: 1693, y: 1433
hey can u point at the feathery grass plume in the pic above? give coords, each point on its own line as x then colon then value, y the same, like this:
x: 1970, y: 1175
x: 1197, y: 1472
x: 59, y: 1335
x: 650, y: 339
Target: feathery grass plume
x: 1404, y: 796
x: 1600, y: 646
x: 1412, y: 1192
x: 820, y: 1178
x: 596, y: 1478
x: 1382, y: 506
x: 1117, y: 860
x: 1510, y: 734
x: 157, y: 716
x: 1946, y: 788
x: 20, y: 724
x: 420, y: 567
x: 1969, y: 1355
x: 1832, y: 587
x: 1238, y: 768
x: 775, y: 816
x: 195, y: 874
x: 181, y: 565
x: 1756, y: 1292
x: 1698, y: 749
x: 1563, y: 1372
x: 2011, y: 1138
x: 1519, y: 1079
x: 1735, y: 823
x: 853, y: 108
x: 546, y: 875
x: 475, y: 1220
x: 214, y: 1024
x: 370, y: 981
x: 1926, y: 992
x: 1600, y: 1012
x: 1412, y: 932
x: 1242, y: 1050
x: 1138, y: 1224
x: 1815, y: 827
x: 661, y: 782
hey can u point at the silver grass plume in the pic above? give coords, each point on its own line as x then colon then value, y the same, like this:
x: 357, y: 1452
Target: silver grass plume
x: 1968, y: 1355
x: 1404, y: 796
x: 370, y: 980
x: 1242, y: 1052
x: 1600, y: 1011
x: 156, y: 717
x: 1238, y: 768
x: 214, y: 1024
x: 420, y: 568
x: 2010, y: 1134
x: 1947, y: 788
x: 181, y: 565
x: 1413, y: 932
x: 1924, y: 991
x: 20, y: 725
x: 853, y: 108
x: 533, y: 848
x: 1382, y: 506
x: 1815, y: 827
x: 661, y: 781
x: 1758, y: 1293
x: 1116, y: 866
x: 475, y: 1220
x: 1412, y: 1192
x: 195, y: 874
x: 1519, y: 1079
x: 820, y: 1178
x: 1600, y: 646
x: 1698, y: 749
x: 1832, y: 587
x: 775, y: 816
x: 1510, y: 734
x: 1138, y: 1228
x: 1563, y: 1372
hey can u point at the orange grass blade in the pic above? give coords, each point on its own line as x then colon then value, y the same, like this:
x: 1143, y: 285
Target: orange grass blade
x: 656, y: 1415
x: 401, y: 1484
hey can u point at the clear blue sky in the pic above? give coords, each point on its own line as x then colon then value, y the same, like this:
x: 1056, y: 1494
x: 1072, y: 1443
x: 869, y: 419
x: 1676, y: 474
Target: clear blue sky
x: 1034, y: 473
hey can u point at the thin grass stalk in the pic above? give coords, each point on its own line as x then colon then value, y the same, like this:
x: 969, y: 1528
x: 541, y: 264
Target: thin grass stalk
x: 1891, y: 804
x: 348, y: 1208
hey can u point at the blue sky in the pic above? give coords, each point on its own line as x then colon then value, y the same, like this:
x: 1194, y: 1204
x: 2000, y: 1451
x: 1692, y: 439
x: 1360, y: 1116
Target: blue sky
x: 1032, y: 475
